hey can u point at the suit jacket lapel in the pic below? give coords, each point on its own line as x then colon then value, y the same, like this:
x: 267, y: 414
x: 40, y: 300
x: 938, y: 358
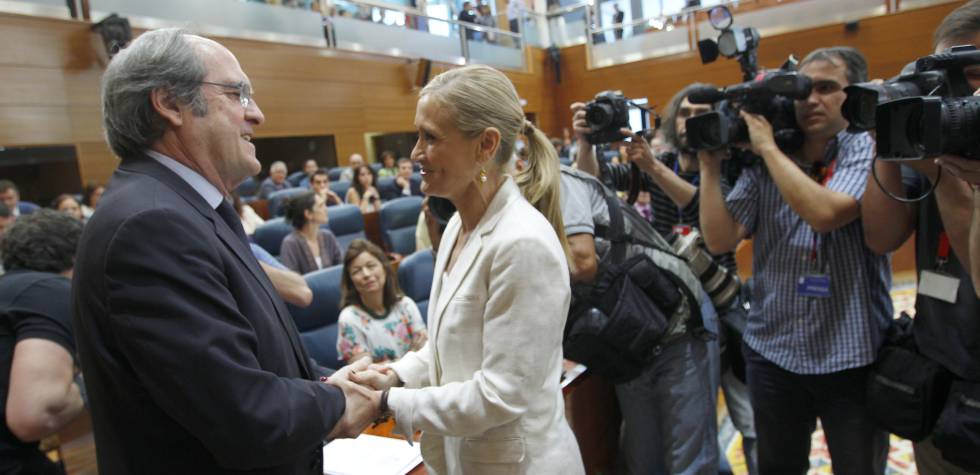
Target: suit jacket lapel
x: 149, y: 166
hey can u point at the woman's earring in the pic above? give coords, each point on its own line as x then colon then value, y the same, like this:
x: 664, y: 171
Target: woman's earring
x: 483, y: 175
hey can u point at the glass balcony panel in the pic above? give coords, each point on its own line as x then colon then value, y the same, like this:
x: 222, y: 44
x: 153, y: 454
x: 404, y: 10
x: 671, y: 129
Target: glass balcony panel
x: 636, y: 47
x: 230, y: 18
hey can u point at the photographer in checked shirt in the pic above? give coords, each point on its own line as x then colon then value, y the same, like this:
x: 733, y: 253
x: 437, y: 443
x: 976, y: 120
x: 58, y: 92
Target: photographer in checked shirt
x: 820, y: 297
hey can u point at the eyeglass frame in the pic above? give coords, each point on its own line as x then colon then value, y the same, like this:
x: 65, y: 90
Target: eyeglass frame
x: 244, y: 91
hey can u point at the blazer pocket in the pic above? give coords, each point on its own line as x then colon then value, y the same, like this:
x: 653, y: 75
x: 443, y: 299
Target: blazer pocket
x: 508, y: 450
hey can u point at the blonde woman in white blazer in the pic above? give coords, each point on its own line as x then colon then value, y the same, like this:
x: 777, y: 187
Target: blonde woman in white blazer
x: 484, y: 390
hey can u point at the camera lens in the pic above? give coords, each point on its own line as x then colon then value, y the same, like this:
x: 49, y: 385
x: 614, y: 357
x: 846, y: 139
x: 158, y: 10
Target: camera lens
x: 599, y: 115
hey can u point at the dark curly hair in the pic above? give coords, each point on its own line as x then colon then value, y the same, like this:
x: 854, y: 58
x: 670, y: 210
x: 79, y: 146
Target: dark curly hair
x: 348, y: 293
x: 296, y: 206
x: 44, y: 241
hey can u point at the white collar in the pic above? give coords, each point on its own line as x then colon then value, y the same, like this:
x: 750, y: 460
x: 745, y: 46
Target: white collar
x: 203, y: 187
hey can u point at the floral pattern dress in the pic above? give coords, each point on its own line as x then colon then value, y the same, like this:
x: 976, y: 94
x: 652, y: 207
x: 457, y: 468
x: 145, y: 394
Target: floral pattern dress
x: 385, y: 339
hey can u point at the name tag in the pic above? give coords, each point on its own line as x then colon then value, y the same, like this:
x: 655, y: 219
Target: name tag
x: 938, y: 286
x: 814, y: 285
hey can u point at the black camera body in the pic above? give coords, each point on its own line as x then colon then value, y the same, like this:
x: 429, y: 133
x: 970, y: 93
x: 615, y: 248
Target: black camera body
x: 863, y: 98
x: 913, y: 128
x: 771, y: 96
x: 606, y: 115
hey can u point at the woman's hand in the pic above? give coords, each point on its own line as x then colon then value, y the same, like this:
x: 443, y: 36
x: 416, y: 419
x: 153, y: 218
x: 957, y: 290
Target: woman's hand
x: 379, y: 377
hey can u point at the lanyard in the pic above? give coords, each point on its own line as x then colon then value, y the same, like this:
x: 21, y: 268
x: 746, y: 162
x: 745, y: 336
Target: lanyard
x: 942, y: 250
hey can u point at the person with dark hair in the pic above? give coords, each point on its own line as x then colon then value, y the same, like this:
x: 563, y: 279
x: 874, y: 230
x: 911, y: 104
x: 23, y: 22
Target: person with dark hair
x: 192, y: 362
x: 309, y: 168
x: 363, y: 193
x: 946, y: 327
x: 6, y: 218
x: 810, y: 338
x: 309, y: 247
x: 320, y: 184
x: 38, y: 393
x: 388, y: 167
x: 404, y: 184
x: 66, y: 203
x: 617, y: 20
x: 90, y: 199
x: 10, y: 196
x: 377, y: 319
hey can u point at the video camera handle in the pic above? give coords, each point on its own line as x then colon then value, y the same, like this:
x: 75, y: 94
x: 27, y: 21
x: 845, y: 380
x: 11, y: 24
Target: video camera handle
x: 953, y: 62
x: 749, y: 63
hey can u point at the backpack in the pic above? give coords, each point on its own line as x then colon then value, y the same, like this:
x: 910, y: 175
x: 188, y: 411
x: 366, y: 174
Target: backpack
x: 643, y: 297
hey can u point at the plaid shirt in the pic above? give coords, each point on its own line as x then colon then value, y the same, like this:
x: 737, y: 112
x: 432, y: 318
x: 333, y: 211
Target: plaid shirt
x: 813, y: 335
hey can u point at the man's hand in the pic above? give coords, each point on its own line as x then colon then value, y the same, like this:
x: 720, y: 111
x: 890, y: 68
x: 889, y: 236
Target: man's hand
x: 363, y: 408
x: 379, y: 377
x: 580, y: 126
x: 967, y: 170
x: 640, y: 151
x: 760, y: 133
x: 401, y: 181
x: 345, y: 373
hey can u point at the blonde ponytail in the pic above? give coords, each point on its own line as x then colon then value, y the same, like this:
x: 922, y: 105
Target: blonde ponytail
x: 540, y: 182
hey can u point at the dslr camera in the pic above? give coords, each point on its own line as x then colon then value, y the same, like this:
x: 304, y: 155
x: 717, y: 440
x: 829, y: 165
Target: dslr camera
x: 771, y: 96
x: 912, y: 128
x: 606, y: 114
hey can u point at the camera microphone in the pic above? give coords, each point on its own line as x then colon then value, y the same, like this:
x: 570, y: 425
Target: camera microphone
x: 705, y: 95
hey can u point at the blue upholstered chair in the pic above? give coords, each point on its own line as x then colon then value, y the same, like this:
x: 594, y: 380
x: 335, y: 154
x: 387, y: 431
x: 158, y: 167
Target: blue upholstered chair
x: 415, y: 278
x: 317, y: 324
x: 278, y: 199
x: 340, y: 187
x: 26, y: 207
x: 296, y: 177
x: 248, y: 188
x: 346, y: 222
x: 334, y: 173
x: 270, y: 234
x: 397, y: 221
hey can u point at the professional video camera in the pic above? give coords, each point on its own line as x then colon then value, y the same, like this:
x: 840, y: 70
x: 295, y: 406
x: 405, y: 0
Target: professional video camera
x: 608, y: 113
x: 731, y: 43
x: 913, y: 128
x: 863, y: 98
x: 771, y: 95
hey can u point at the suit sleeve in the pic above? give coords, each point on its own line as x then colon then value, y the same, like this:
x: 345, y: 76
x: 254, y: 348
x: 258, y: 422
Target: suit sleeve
x: 522, y: 331
x: 174, y: 317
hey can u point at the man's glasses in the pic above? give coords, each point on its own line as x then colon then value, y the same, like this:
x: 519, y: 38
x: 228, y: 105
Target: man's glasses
x: 244, y: 91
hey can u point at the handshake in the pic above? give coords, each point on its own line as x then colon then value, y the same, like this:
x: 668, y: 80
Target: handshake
x: 365, y: 387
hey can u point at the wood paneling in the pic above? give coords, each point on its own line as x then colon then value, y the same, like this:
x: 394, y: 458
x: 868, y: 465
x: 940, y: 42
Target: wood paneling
x: 51, y: 76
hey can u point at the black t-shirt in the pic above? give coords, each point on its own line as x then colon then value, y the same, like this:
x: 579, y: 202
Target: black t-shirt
x: 947, y: 333
x: 32, y: 305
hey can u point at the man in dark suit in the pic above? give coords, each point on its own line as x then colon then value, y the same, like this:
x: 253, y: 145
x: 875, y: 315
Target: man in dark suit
x: 404, y: 183
x: 192, y: 362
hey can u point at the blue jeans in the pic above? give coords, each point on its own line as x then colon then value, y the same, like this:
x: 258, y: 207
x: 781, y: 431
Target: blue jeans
x: 669, y: 425
x: 787, y: 406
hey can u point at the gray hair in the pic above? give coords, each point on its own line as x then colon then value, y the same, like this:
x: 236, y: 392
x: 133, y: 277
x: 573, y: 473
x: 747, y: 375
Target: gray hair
x: 278, y: 164
x: 159, y: 59
x: 854, y: 63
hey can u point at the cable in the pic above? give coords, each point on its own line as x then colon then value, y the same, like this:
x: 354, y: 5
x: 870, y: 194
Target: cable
x: 874, y: 174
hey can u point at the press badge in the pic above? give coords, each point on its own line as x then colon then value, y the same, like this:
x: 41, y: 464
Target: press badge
x: 814, y: 285
x: 939, y: 286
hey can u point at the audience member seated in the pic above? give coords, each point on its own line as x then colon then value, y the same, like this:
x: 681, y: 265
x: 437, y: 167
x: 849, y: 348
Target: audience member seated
x: 404, y: 184
x: 250, y: 219
x: 309, y: 247
x: 354, y: 161
x: 66, y: 203
x: 363, y: 192
x: 378, y: 320
x: 276, y: 180
x: 6, y: 218
x: 320, y: 184
x: 388, y: 167
x: 288, y: 284
x: 90, y: 199
x: 309, y: 168
x: 10, y: 196
x: 37, y: 345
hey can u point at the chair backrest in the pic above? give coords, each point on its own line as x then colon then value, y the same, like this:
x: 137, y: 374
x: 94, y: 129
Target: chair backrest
x: 249, y: 187
x: 415, y: 278
x: 346, y: 222
x: 278, y: 199
x: 376, y: 166
x: 334, y: 173
x: 26, y: 207
x: 317, y: 323
x: 340, y: 187
x: 296, y: 177
x: 397, y: 221
x: 387, y: 188
x: 270, y: 234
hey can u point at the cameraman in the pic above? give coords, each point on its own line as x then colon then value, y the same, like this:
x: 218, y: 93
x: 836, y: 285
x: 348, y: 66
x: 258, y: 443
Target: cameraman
x: 820, y: 297
x: 673, y: 188
x: 946, y: 327
x: 668, y: 411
